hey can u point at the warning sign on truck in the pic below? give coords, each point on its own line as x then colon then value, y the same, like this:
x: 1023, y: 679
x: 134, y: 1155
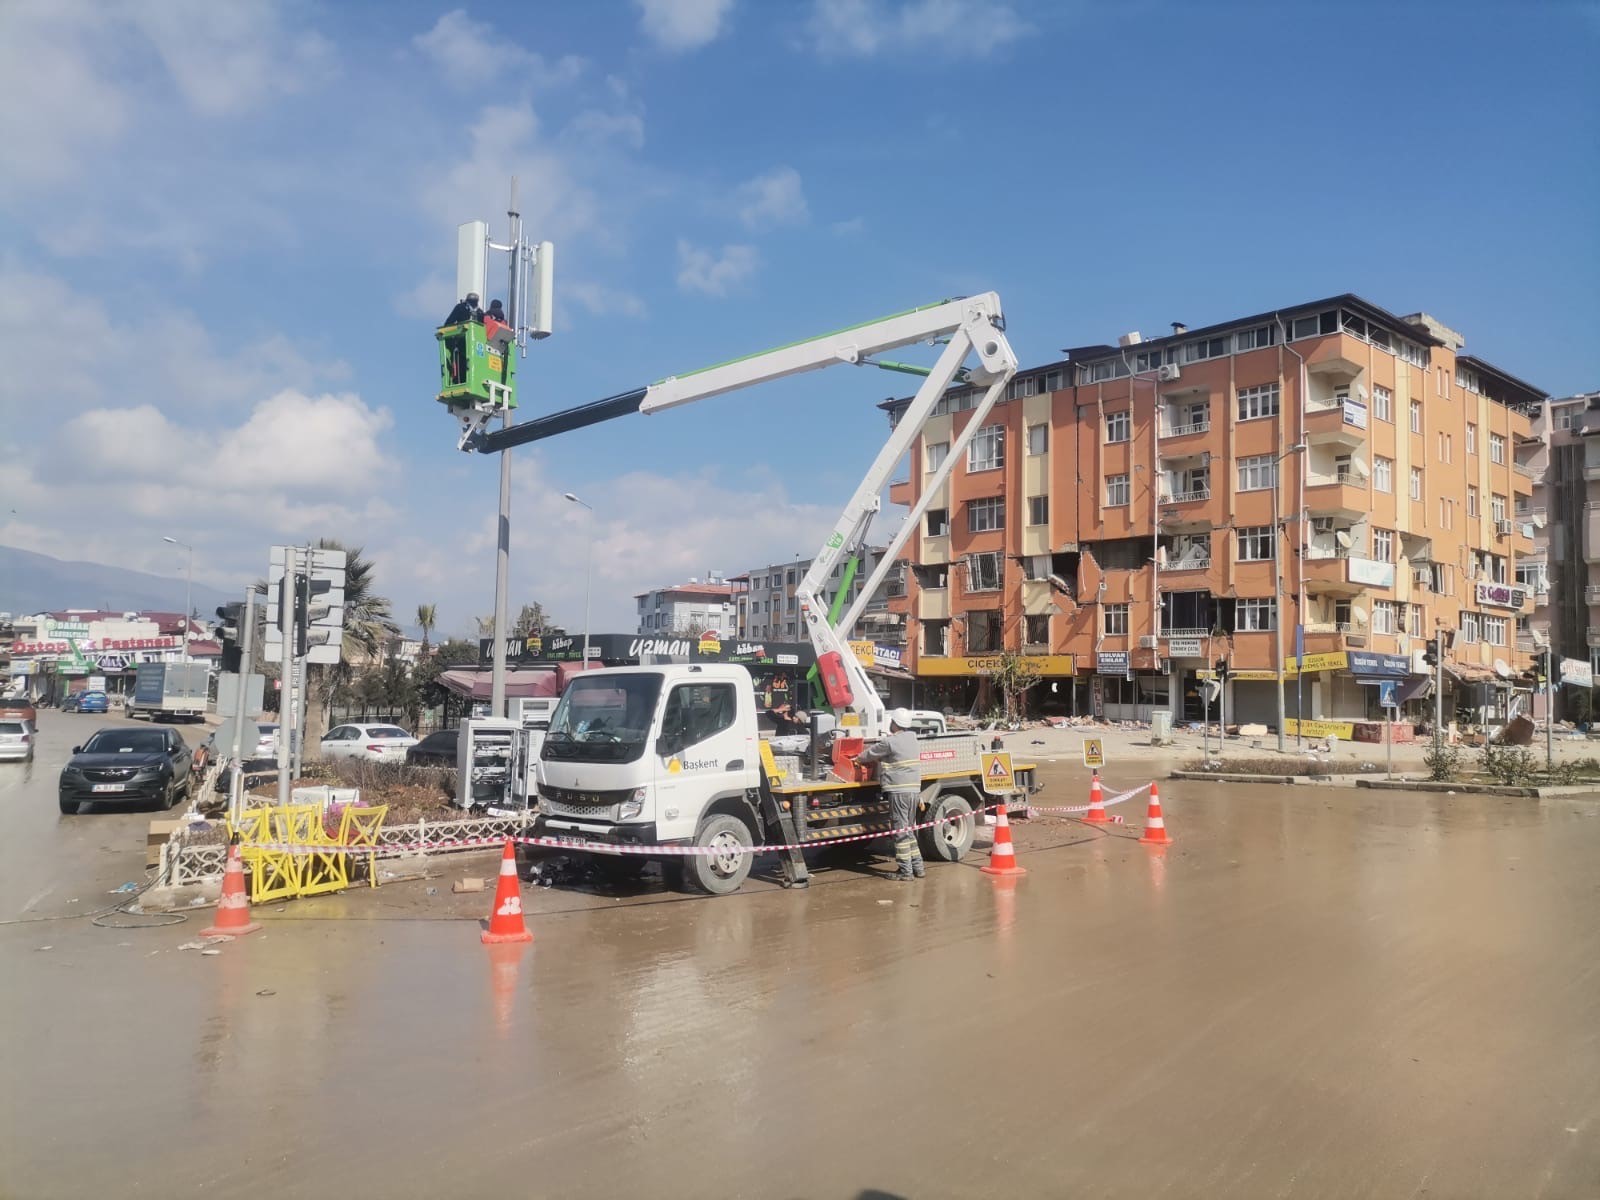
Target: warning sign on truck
x: 997, y: 777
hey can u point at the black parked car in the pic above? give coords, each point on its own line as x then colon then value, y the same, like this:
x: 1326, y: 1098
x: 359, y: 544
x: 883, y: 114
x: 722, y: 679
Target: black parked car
x: 120, y: 766
x: 435, y: 750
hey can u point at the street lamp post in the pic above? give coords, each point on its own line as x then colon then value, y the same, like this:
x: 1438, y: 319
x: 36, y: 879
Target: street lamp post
x: 1277, y: 583
x: 188, y: 592
x: 588, y: 559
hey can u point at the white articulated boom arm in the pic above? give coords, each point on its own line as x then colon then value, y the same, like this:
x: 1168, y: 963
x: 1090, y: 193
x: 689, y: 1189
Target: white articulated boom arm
x: 975, y: 324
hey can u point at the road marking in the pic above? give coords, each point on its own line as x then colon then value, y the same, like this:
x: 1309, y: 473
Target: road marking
x: 38, y: 896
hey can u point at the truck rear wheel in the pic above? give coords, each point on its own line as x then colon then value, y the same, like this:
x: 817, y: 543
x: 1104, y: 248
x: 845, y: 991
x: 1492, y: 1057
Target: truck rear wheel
x: 951, y: 841
x: 721, y: 873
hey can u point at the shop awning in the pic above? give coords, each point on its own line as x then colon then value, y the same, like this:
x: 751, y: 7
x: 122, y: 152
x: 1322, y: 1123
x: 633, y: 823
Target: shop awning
x: 1465, y: 673
x: 478, y: 685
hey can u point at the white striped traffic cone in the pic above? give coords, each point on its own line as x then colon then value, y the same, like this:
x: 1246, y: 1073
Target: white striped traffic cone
x: 1097, y: 802
x: 1003, y: 855
x: 1155, y: 828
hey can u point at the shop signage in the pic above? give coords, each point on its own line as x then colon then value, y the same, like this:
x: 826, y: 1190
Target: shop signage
x: 623, y: 649
x: 1345, y: 730
x: 1111, y: 662
x: 1388, y: 666
x: 67, y: 629
x: 1044, y: 664
x: 1577, y: 672
x: 1355, y: 413
x: 1370, y: 572
x: 863, y: 653
x: 1185, y: 647
x: 1242, y: 676
x: 1332, y: 660
x: 1501, y: 595
x: 69, y: 647
x: 112, y: 662
x: 887, y: 656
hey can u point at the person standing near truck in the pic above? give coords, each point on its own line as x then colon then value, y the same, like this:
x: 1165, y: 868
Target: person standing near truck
x: 900, y: 776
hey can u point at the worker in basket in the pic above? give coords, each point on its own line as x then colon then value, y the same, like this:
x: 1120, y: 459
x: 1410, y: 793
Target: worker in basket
x: 900, y: 776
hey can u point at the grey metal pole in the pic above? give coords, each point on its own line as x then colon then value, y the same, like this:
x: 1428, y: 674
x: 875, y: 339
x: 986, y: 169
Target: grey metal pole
x: 1388, y: 743
x: 188, y: 602
x: 286, y: 715
x: 1549, y: 712
x: 588, y: 562
x: 1438, y: 690
x: 502, y: 569
x: 1277, y: 593
x: 246, y: 661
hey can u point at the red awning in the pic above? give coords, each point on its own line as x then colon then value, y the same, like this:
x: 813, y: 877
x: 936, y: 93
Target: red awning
x: 479, y: 685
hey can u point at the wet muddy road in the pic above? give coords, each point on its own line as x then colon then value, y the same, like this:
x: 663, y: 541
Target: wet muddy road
x: 1314, y: 993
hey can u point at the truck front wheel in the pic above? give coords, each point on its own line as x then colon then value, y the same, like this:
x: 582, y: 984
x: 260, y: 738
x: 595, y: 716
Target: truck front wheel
x: 720, y: 873
x: 950, y: 841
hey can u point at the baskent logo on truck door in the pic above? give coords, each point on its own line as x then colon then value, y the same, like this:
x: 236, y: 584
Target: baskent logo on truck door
x: 676, y: 766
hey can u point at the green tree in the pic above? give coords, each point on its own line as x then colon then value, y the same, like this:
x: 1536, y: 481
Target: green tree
x: 1014, y: 674
x: 369, y: 628
x: 452, y: 652
x: 427, y: 618
x: 531, y: 620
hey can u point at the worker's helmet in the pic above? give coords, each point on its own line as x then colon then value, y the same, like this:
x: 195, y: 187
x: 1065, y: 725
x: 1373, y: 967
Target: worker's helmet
x: 472, y: 297
x: 900, y: 717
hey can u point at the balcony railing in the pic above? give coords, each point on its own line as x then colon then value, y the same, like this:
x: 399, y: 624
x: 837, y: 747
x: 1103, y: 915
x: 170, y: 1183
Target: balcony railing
x: 1200, y: 426
x: 1526, y: 471
x: 1591, y: 594
x: 1191, y: 495
x: 1324, y: 403
x: 1345, y: 627
x: 1189, y: 564
x: 1349, y: 475
x: 1180, y: 632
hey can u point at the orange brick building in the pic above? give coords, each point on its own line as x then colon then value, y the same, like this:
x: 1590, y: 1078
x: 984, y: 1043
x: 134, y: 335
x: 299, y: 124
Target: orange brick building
x: 1135, y: 513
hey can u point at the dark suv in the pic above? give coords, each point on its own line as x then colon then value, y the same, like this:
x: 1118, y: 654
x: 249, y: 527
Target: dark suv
x: 128, y: 766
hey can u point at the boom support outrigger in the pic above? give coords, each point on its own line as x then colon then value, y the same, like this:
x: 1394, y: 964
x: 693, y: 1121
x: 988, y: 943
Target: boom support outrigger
x: 973, y: 325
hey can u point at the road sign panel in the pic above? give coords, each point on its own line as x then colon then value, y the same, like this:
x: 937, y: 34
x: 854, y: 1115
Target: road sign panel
x: 998, y: 778
x: 1094, y: 752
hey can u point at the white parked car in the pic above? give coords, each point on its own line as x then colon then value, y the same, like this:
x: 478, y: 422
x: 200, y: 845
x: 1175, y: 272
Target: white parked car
x: 16, y: 740
x: 381, y: 743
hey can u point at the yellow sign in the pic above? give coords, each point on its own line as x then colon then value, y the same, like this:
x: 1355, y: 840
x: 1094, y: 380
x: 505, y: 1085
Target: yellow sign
x: 1094, y: 752
x: 1345, y: 730
x: 997, y: 777
x: 1241, y: 676
x: 1334, y: 660
x: 863, y: 653
x: 1044, y: 664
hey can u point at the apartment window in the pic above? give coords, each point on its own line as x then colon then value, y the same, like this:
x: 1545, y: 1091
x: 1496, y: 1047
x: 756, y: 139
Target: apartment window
x: 1383, y: 616
x: 1416, y: 483
x: 790, y: 605
x: 1114, y: 620
x: 1494, y: 566
x: 1022, y: 387
x: 1416, y: 416
x: 938, y: 522
x: 1383, y: 404
x: 1255, y: 339
x: 1383, y: 545
x: 1116, y: 489
x: 1497, y: 448
x: 1444, y: 447
x: 935, y: 636
x: 1441, y: 381
x: 1037, y: 629
x: 1255, y: 616
x: 1256, y: 472
x: 1567, y: 418
x: 1383, y: 474
x: 984, y: 516
x: 1315, y: 324
x: 983, y: 632
x: 988, y: 450
x: 937, y: 452
x: 1472, y: 438
x: 1494, y: 630
x: 791, y: 576
x: 935, y: 577
x: 1531, y: 576
x: 983, y: 572
x: 1471, y: 627
x: 1038, y: 510
x: 1497, y: 507
x: 1255, y: 543
x: 1038, y: 438
x: 1414, y: 620
x: 1119, y: 426
x: 1472, y: 500
x: 1447, y: 512
x: 1205, y: 348
x: 1259, y: 401
x: 1444, y: 580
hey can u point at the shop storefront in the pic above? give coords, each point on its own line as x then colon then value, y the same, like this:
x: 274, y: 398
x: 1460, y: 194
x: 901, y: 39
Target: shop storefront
x: 965, y: 685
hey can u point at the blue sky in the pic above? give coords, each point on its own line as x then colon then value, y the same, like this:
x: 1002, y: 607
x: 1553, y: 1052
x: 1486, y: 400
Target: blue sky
x: 237, y: 222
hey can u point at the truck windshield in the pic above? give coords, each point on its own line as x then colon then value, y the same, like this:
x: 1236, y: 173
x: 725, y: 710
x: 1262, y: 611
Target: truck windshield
x: 603, y: 719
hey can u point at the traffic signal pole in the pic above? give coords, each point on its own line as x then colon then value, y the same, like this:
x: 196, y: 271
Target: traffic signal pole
x: 1549, y: 711
x: 246, y: 661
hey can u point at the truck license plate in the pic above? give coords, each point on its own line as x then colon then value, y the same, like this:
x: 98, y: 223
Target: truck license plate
x: 109, y: 787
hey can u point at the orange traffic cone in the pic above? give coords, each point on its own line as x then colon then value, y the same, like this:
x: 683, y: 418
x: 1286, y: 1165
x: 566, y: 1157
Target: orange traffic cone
x: 505, y: 921
x: 233, y: 907
x: 1097, y: 802
x: 1155, y: 829
x: 1003, y: 855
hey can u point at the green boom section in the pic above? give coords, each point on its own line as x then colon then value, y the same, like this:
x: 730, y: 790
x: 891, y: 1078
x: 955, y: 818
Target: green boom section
x: 474, y: 370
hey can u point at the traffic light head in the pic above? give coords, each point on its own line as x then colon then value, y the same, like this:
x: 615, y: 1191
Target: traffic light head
x: 1430, y: 653
x: 1222, y: 668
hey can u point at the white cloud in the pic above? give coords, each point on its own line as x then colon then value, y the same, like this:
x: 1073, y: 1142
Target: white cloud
x: 775, y: 198
x: 683, y: 24
x: 228, y: 58
x: 470, y: 53
x: 602, y: 301
x: 863, y: 28
x: 593, y: 125
x: 701, y: 270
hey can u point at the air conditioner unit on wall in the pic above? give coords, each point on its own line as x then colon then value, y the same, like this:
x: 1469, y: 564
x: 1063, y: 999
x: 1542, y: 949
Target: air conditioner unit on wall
x: 1168, y: 372
x: 1149, y: 643
x: 1502, y: 527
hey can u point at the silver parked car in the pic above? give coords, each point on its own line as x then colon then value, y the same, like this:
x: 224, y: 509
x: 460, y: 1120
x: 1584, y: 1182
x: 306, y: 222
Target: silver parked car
x: 16, y: 740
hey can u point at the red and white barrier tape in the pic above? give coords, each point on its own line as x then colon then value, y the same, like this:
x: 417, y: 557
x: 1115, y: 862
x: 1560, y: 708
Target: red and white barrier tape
x: 1083, y: 808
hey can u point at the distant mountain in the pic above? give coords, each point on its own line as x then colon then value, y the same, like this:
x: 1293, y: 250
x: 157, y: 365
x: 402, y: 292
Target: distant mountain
x: 32, y: 583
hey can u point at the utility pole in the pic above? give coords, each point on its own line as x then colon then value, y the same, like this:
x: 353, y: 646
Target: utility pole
x: 246, y: 662
x: 1438, y: 690
x: 287, y: 721
x: 1549, y: 710
x: 502, y: 554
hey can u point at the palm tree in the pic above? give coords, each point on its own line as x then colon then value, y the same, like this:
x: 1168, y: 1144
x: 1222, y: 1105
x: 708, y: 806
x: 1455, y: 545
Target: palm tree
x: 368, y: 627
x: 427, y: 617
